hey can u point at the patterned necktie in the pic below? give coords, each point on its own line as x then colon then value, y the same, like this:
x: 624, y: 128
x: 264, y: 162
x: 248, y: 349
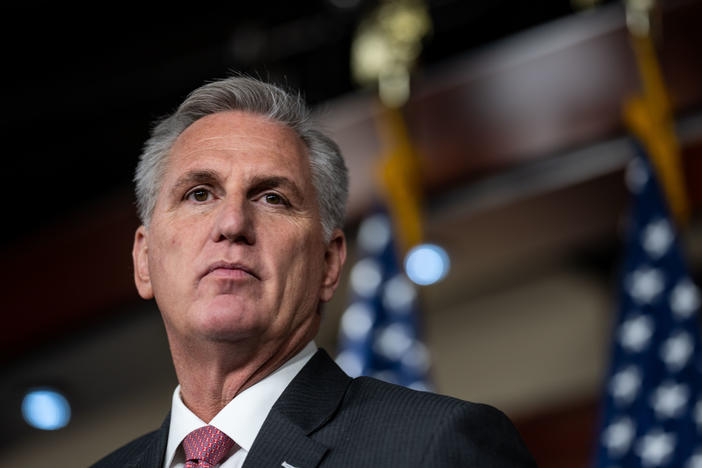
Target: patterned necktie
x: 205, y: 447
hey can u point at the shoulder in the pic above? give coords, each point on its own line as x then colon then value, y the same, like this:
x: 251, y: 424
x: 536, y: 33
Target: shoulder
x: 477, y: 435
x: 127, y: 454
x: 390, y: 397
x: 450, y: 431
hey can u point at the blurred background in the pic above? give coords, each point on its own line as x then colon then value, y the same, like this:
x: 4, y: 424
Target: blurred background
x: 514, y: 133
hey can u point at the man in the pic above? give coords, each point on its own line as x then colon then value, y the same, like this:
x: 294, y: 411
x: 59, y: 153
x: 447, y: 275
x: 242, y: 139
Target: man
x: 242, y: 204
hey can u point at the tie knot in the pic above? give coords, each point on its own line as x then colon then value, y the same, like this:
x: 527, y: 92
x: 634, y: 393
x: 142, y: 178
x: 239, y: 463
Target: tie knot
x: 207, y: 444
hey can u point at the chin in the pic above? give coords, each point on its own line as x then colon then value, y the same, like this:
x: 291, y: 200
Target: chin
x: 227, y: 320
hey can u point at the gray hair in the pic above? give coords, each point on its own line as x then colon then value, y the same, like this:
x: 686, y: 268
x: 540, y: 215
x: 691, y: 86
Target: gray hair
x: 329, y: 173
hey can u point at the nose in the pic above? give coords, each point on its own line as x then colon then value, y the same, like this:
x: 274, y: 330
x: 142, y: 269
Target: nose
x: 234, y: 223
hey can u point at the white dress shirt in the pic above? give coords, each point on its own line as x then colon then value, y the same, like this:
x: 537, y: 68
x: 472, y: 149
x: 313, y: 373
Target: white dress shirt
x: 241, y: 419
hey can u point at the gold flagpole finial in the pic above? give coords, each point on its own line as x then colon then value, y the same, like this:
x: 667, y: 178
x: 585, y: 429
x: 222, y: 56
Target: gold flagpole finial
x: 387, y: 45
x: 638, y: 16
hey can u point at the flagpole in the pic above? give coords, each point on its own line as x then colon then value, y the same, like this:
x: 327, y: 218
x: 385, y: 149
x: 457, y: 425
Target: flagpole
x: 649, y: 114
x: 384, y: 52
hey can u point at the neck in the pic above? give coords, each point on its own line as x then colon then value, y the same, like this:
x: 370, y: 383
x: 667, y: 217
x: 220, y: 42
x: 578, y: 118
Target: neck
x: 212, y: 374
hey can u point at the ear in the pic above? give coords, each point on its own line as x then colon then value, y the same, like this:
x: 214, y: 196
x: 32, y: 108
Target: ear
x: 334, y: 259
x: 140, y: 257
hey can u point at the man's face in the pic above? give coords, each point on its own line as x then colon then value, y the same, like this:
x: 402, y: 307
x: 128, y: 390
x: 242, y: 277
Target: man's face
x: 235, y: 249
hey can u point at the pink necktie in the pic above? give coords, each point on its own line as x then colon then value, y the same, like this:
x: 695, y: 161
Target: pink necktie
x: 205, y: 447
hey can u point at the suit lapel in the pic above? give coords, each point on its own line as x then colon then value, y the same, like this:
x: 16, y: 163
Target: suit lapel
x: 281, y: 441
x: 153, y: 453
x: 306, y: 404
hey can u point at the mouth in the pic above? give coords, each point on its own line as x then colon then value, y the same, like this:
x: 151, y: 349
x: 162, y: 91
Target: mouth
x: 229, y: 270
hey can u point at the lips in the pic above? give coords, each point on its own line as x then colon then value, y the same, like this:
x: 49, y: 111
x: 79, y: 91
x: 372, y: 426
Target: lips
x: 229, y: 270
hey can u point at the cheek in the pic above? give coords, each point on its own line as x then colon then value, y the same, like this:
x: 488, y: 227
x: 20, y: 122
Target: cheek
x: 304, y: 270
x: 167, y: 250
x: 167, y: 260
x: 177, y: 239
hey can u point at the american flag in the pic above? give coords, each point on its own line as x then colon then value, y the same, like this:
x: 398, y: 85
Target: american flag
x: 653, y: 395
x: 380, y: 330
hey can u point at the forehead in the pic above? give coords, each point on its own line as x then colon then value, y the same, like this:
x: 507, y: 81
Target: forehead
x: 240, y: 138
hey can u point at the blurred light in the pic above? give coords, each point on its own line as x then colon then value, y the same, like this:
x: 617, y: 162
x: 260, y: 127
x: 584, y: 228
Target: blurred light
x: 417, y: 358
x: 374, y: 233
x: 46, y: 409
x: 420, y: 385
x: 393, y: 341
x: 350, y: 363
x: 357, y: 321
x: 386, y: 376
x: 399, y: 295
x: 636, y: 175
x: 366, y: 277
x: 426, y: 264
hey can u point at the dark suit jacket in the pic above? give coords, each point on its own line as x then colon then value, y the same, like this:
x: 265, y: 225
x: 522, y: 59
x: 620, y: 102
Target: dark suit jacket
x: 326, y: 419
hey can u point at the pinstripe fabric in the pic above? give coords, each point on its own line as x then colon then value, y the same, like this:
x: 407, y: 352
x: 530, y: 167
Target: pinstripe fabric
x: 326, y: 419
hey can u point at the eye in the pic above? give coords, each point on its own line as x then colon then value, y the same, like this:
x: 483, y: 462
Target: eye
x: 199, y: 195
x: 274, y: 199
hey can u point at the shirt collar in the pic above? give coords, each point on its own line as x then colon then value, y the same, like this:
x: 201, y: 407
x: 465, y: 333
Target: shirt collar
x: 243, y: 417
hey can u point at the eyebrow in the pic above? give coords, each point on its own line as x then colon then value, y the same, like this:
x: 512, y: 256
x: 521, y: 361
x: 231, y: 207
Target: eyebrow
x: 195, y: 177
x: 258, y: 184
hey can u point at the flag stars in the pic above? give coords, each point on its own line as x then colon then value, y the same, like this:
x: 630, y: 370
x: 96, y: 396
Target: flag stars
x: 653, y: 398
x: 399, y: 294
x: 657, y: 238
x: 684, y: 299
x: 625, y: 385
x: 393, y: 341
x: 646, y: 284
x: 697, y: 415
x: 677, y: 350
x: 656, y: 448
x: 357, y: 321
x: 636, y: 175
x: 377, y: 332
x: 366, y: 277
x: 617, y: 437
x: 695, y: 461
x: 417, y: 358
x: 635, y: 333
x: 350, y: 362
x: 669, y: 399
x: 374, y: 233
